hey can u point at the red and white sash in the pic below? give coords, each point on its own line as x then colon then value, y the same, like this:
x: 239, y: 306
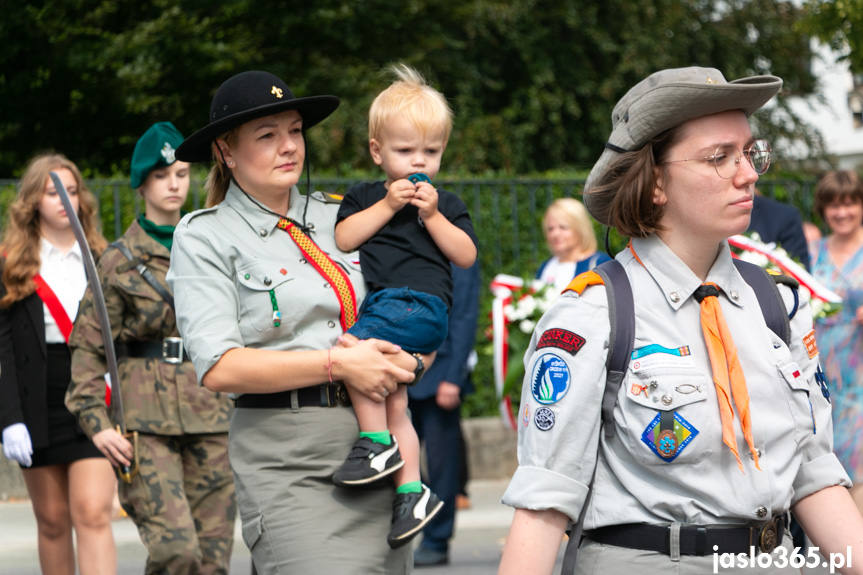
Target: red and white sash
x: 61, y: 318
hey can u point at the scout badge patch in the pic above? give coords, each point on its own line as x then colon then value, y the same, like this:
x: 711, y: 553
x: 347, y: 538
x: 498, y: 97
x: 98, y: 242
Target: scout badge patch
x: 544, y: 418
x: 668, y: 434
x: 550, y: 379
x: 561, y: 339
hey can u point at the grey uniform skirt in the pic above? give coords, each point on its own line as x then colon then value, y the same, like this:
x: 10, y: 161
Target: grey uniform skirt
x: 294, y: 519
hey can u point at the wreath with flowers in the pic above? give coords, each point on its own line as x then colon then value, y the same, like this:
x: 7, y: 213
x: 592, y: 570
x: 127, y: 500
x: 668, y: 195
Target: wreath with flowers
x: 517, y: 306
x: 770, y: 256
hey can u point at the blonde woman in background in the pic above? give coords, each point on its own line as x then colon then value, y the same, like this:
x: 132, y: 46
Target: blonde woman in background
x: 569, y: 233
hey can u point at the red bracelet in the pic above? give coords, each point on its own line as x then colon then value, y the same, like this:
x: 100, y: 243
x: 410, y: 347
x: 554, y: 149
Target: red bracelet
x: 329, y: 365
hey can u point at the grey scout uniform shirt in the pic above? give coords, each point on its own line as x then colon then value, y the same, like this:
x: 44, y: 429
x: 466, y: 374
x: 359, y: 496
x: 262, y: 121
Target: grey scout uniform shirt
x: 225, y: 261
x: 791, y: 418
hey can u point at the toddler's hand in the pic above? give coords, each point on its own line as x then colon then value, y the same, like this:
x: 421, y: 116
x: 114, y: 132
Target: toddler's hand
x: 400, y: 194
x: 425, y: 200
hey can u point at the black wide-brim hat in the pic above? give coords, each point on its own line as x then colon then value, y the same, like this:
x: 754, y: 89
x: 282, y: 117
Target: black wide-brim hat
x: 248, y: 96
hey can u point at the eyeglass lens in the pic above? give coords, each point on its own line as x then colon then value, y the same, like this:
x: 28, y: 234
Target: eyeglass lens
x: 727, y: 158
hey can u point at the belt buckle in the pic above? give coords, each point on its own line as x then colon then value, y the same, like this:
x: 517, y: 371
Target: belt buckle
x: 337, y: 394
x: 769, y: 536
x: 172, y: 350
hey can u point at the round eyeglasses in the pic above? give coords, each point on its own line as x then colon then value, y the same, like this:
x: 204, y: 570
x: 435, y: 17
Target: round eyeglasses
x: 727, y: 157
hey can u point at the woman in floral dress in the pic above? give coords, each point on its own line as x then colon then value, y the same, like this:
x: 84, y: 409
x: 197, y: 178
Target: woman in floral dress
x: 838, y: 264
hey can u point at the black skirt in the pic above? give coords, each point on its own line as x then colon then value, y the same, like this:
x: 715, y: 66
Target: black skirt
x: 66, y: 441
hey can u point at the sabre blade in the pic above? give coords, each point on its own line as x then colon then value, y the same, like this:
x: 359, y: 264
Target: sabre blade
x: 99, y: 300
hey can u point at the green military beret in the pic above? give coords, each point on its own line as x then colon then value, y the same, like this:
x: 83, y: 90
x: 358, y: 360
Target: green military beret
x: 154, y: 150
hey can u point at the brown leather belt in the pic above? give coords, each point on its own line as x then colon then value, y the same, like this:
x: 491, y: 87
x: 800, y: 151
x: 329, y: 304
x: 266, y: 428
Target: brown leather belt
x: 323, y: 395
x: 694, y: 540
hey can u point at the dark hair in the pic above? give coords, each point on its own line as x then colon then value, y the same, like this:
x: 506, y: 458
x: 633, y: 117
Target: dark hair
x: 623, y: 195
x: 838, y: 185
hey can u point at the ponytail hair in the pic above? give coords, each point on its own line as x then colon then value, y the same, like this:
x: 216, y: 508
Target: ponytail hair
x: 220, y: 175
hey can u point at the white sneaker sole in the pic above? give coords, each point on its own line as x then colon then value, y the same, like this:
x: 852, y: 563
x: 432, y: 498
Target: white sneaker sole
x: 422, y: 524
x: 372, y: 479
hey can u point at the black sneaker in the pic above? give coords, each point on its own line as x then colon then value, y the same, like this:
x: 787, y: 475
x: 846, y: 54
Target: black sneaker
x: 425, y: 557
x: 411, y: 512
x: 367, y: 462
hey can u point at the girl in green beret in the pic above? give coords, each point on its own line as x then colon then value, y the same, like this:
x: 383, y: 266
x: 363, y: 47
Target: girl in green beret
x: 182, y: 498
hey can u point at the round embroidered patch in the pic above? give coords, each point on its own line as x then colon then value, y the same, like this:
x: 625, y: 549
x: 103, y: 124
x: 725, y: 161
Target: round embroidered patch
x: 550, y: 379
x: 544, y: 418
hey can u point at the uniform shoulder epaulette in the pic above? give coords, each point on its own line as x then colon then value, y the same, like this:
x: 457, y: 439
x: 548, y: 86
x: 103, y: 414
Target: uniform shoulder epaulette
x: 201, y: 211
x: 781, y: 278
x: 328, y: 197
x: 583, y: 280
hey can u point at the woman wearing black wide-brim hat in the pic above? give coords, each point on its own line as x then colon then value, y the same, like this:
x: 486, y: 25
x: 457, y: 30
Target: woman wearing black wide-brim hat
x: 262, y: 293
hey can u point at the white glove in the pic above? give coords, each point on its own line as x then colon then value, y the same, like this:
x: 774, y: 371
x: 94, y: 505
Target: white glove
x: 17, y: 445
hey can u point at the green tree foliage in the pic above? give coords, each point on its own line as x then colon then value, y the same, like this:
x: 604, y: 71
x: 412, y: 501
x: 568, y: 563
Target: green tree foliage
x: 839, y: 24
x: 532, y: 83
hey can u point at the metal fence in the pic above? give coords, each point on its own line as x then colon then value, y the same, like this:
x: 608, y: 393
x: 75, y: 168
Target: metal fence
x: 507, y: 213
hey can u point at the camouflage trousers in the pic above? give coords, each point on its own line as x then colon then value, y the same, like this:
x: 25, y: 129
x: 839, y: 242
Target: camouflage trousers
x: 183, y: 503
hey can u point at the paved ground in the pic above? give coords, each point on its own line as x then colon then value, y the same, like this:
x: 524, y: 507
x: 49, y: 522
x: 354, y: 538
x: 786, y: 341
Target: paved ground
x: 480, y: 533
x: 475, y: 550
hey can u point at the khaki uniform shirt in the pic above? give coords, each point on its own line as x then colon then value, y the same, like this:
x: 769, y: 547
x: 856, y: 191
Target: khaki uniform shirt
x: 227, y: 259
x: 559, y: 435
x: 158, y: 397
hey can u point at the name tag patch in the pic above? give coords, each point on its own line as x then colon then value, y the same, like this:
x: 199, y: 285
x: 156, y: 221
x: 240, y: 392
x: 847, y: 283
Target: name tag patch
x: 562, y: 339
x: 550, y: 379
x: 656, y: 356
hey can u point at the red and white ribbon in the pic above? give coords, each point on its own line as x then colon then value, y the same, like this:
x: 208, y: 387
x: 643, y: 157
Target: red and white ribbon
x: 502, y: 287
x: 787, y: 266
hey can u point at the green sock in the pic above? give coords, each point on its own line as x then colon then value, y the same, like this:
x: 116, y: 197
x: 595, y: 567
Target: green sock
x: 378, y: 436
x: 412, y: 487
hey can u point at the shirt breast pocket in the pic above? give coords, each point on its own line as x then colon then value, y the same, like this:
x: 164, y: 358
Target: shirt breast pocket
x: 262, y: 289
x: 796, y: 391
x: 670, y: 418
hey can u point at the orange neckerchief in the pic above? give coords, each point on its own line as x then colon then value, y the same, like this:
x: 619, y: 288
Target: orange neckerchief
x: 334, y: 275
x: 727, y: 371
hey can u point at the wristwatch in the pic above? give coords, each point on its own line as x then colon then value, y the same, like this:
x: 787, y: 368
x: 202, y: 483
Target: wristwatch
x: 420, y: 369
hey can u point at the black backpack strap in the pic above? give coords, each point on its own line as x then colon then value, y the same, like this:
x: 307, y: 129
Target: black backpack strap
x: 145, y: 273
x: 621, y: 316
x: 769, y: 299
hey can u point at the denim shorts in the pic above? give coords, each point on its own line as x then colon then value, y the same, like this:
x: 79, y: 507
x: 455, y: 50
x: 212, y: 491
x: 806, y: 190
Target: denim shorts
x: 414, y: 320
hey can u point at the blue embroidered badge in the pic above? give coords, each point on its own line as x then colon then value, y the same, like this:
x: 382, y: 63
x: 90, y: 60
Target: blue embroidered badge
x: 544, y: 418
x: 668, y: 444
x: 550, y: 380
